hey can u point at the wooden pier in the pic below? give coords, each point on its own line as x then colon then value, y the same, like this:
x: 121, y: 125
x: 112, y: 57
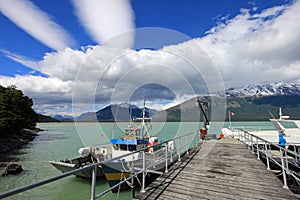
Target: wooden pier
x: 220, y: 169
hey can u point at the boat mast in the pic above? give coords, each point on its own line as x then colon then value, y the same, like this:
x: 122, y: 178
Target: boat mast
x: 280, y: 113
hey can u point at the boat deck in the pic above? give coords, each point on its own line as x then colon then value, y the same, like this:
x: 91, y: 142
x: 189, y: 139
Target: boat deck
x: 221, y: 169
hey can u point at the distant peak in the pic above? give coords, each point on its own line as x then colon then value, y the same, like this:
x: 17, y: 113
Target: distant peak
x: 265, y: 89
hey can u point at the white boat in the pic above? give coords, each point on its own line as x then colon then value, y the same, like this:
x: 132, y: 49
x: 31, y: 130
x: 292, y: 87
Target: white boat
x: 290, y: 128
x: 136, y: 138
x: 88, y: 155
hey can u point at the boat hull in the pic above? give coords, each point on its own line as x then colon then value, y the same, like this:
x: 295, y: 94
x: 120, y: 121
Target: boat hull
x: 66, y: 167
x: 115, y: 172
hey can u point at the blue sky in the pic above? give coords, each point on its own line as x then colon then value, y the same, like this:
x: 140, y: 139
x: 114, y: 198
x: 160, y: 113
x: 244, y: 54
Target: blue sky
x: 51, y: 43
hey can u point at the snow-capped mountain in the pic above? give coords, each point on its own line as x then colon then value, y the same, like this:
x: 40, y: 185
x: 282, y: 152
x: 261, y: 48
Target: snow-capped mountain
x: 266, y: 89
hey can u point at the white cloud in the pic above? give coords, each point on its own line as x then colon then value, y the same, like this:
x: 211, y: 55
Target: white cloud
x: 38, y: 85
x: 36, y: 22
x: 22, y: 60
x: 256, y: 48
x: 106, y: 20
x: 249, y: 48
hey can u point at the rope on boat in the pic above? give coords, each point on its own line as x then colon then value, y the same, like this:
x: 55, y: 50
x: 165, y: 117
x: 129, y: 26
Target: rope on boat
x: 117, y: 197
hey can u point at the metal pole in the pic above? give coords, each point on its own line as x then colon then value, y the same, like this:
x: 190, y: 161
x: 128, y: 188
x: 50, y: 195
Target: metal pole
x: 94, y: 172
x: 283, y: 170
x: 252, y: 144
x: 286, y: 160
x: 186, y: 144
x: 178, y: 150
x: 154, y: 159
x: 267, y: 156
x: 133, y: 188
x: 171, y: 152
x: 296, y: 157
x: 144, y: 173
x: 248, y: 140
x: 257, y: 149
x: 166, y: 170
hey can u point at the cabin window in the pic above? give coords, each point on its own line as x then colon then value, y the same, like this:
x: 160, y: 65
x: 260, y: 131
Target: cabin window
x: 138, y: 132
x: 128, y: 147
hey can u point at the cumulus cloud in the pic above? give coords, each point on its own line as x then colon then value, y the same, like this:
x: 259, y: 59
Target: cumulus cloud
x: 105, y: 20
x: 46, y: 92
x: 249, y: 48
x: 253, y: 48
x: 36, y: 22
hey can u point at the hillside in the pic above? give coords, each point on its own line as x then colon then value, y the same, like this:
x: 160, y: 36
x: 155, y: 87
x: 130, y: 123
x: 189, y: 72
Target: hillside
x: 115, y: 112
x: 44, y: 118
x: 250, y: 103
x: 17, y: 119
x: 255, y: 108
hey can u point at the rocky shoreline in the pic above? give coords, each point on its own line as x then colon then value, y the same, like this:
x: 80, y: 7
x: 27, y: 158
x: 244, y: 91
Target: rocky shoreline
x: 17, y: 141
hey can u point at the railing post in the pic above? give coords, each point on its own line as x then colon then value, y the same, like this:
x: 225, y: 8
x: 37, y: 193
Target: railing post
x: 286, y: 160
x: 248, y: 140
x: 178, y: 150
x: 186, y: 144
x: 154, y: 159
x: 144, y: 173
x: 296, y: 155
x: 94, y: 172
x: 257, y: 149
x: 166, y: 170
x: 283, y: 170
x: 267, y: 156
x: 252, y: 144
x: 171, y: 152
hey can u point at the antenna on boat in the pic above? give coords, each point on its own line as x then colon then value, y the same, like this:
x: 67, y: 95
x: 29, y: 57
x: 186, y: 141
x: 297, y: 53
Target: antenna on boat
x: 115, y: 119
x: 130, y: 114
x: 143, y: 119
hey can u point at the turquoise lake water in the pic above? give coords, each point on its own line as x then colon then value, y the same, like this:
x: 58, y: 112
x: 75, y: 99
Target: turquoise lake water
x: 61, y: 140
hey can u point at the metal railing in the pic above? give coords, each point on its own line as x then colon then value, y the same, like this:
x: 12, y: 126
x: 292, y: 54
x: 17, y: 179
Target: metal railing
x: 169, y: 152
x: 262, y: 147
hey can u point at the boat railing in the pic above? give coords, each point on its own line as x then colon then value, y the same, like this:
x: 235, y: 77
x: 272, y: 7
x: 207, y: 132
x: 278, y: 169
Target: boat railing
x: 166, y: 154
x: 281, y: 156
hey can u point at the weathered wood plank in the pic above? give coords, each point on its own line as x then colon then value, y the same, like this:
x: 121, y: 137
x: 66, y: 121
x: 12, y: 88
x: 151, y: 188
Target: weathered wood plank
x: 226, y: 169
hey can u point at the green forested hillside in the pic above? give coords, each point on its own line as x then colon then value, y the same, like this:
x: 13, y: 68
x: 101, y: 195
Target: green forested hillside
x: 255, y: 108
x: 16, y: 111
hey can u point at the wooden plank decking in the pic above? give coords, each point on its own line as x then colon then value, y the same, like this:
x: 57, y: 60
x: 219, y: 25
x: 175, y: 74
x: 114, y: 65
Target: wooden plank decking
x: 223, y: 169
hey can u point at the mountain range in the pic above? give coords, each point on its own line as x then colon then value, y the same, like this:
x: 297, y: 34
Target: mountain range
x: 116, y: 112
x: 266, y: 89
x: 253, y: 102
